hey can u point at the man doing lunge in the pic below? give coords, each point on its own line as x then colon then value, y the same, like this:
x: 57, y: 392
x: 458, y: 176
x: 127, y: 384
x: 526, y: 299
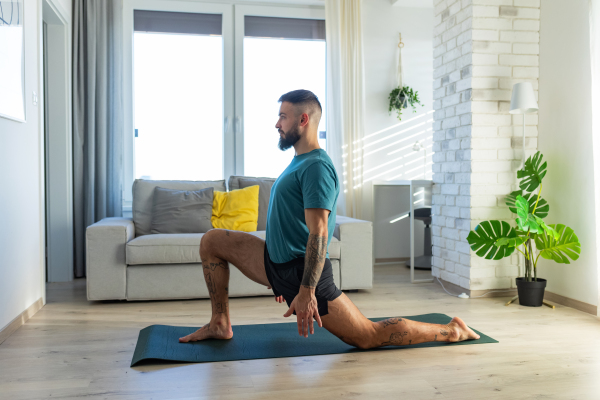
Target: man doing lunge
x: 293, y: 260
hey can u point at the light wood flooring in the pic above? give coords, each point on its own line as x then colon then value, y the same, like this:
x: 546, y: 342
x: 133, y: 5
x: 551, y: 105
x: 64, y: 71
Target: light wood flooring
x: 73, y: 349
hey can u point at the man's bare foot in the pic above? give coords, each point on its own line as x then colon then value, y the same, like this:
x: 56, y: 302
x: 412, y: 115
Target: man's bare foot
x: 459, y: 331
x: 208, y: 331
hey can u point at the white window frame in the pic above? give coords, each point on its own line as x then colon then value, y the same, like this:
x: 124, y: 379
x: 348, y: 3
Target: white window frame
x: 233, y: 74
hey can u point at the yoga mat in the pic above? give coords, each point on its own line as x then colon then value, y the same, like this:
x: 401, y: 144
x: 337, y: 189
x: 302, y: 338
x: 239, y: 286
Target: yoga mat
x: 161, y: 342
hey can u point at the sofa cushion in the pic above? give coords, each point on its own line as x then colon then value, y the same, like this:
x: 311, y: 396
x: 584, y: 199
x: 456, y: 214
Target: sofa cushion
x: 143, y: 195
x: 233, y: 182
x: 182, y: 211
x: 182, y: 248
x: 264, y: 195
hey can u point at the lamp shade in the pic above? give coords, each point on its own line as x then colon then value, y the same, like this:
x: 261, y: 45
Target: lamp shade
x: 523, y: 99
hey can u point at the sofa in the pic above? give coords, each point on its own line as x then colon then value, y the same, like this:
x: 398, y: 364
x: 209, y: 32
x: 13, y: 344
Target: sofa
x: 126, y: 262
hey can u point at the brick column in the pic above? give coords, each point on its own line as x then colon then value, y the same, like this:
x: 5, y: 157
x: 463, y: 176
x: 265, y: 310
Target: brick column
x: 481, y: 48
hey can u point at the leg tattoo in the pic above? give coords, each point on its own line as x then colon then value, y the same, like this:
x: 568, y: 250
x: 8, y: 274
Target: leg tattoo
x: 396, y: 339
x: 222, y: 308
x: 391, y: 321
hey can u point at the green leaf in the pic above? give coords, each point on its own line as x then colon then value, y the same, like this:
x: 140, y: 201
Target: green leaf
x: 483, y: 239
x: 533, y: 172
x: 510, y: 242
x: 525, y: 220
x: 522, y: 207
x: 547, y: 229
x: 541, y: 210
x: 559, y: 249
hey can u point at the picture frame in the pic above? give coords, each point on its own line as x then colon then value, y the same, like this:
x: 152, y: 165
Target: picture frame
x: 12, y: 60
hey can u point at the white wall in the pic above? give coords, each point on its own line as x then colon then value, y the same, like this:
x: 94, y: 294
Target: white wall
x: 381, y: 23
x: 21, y: 200
x: 565, y: 139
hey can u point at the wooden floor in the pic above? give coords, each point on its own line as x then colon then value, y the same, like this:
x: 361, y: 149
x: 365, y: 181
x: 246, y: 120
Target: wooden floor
x: 73, y: 349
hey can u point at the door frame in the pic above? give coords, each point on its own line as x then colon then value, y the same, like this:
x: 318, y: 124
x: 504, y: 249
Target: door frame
x: 57, y: 140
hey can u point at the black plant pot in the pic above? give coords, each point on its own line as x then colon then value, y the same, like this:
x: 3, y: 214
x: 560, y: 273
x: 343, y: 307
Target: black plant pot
x: 531, y: 294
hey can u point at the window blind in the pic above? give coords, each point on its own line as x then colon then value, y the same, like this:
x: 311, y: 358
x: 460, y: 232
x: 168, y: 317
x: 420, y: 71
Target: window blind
x: 177, y: 22
x: 285, y: 28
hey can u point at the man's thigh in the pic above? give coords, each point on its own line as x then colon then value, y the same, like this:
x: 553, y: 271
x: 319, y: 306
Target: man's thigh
x: 244, y: 250
x: 346, y: 321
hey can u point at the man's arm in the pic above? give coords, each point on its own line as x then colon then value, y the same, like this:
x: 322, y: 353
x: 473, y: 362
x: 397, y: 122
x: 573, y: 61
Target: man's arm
x: 316, y: 248
x: 305, y: 303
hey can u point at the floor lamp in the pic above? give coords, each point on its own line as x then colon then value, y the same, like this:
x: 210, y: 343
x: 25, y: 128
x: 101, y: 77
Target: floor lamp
x: 523, y: 102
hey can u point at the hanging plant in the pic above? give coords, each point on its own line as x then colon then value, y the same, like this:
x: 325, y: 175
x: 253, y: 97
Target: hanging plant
x: 401, y: 97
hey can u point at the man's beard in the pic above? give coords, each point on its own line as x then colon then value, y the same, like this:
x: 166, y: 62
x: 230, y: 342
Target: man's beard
x: 289, y: 138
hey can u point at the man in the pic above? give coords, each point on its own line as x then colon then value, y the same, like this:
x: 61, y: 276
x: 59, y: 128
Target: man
x: 293, y: 260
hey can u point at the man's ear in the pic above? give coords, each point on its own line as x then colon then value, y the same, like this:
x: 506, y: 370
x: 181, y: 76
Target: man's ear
x: 304, y: 119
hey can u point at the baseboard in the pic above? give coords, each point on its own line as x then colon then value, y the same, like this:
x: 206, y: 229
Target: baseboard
x: 452, y: 288
x: 20, y: 320
x: 391, y: 260
x: 548, y: 296
x: 569, y: 302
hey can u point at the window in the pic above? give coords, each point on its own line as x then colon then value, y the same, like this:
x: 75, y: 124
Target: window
x: 178, y: 89
x: 202, y: 86
x: 280, y: 55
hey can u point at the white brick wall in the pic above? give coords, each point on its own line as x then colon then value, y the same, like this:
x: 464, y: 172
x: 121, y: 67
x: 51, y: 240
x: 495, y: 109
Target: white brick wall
x: 482, y: 48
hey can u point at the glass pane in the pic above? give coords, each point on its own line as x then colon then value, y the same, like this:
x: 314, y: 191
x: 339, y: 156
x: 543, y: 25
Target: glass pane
x: 178, y: 106
x: 271, y: 68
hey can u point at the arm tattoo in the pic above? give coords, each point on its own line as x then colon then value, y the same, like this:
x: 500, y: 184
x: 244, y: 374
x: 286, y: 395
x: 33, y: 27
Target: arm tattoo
x: 316, y: 249
x: 443, y: 332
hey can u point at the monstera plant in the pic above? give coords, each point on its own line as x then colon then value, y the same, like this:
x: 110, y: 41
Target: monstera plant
x: 531, y: 236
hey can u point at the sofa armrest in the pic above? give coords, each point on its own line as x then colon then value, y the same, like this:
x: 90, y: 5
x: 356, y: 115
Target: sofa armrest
x: 356, y: 252
x: 106, y: 265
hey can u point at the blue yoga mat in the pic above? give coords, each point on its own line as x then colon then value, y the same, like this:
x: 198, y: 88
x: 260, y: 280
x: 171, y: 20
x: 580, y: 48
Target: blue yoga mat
x: 161, y: 342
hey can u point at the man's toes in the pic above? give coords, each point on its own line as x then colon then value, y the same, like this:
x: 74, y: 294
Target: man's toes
x: 185, y: 339
x: 191, y: 337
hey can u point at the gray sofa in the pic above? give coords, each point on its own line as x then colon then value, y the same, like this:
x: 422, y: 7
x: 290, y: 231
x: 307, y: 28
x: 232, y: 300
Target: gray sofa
x: 125, y: 262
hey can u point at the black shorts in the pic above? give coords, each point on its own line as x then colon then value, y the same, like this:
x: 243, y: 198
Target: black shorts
x: 285, y: 279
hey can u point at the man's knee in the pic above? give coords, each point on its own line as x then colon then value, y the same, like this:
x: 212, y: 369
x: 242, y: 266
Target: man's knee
x: 207, y: 241
x: 365, y: 339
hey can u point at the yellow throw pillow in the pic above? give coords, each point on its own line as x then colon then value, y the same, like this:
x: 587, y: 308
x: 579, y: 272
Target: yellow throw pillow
x: 236, y: 210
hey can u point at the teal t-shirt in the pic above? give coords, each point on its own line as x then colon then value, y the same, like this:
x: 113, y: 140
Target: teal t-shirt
x: 310, y: 181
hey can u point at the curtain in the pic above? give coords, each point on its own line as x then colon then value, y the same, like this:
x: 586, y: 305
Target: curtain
x: 345, y: 100
x: 595, y: 66
x: 97, y: 117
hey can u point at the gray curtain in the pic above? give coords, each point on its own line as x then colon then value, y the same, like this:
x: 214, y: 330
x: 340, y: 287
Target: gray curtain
x: 97, y: 117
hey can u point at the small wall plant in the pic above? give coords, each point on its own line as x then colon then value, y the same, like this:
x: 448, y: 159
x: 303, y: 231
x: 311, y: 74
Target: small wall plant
x: 495, y: 240
x: 401, y: 97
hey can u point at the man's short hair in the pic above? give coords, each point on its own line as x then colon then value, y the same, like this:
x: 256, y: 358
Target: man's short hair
x: 304, y: 100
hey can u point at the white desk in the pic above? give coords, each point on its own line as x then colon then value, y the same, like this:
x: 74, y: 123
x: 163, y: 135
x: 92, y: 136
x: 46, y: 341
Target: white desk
x: 424, y: 198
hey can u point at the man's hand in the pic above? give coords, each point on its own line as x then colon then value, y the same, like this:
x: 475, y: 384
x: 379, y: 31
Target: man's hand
x: 278, y: 299
x: 305, y: 305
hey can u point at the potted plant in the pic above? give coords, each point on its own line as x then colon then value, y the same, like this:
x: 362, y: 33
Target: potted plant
x: 495, y: 240
x: 401, y: 97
